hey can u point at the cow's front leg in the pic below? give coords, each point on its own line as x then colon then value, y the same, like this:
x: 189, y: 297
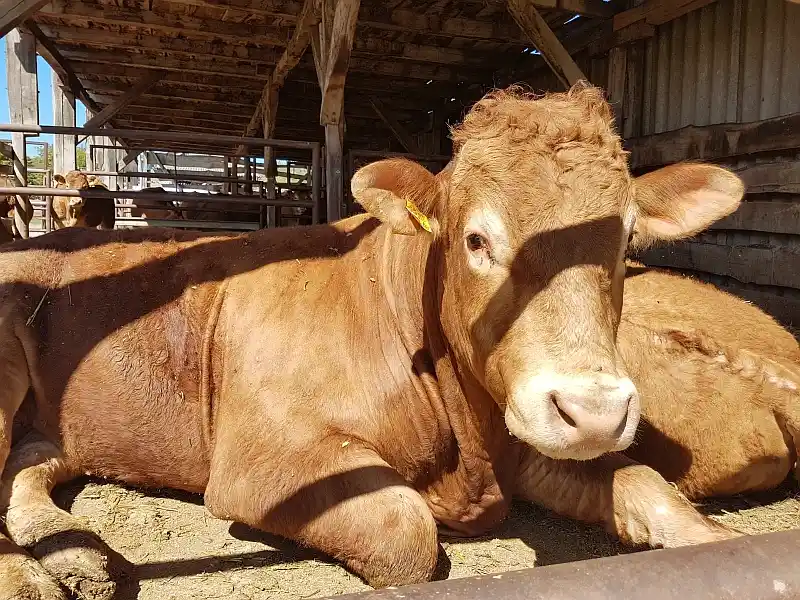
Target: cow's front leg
x: 337, y: 497
x: 628, y: 498
x: 69, y: 551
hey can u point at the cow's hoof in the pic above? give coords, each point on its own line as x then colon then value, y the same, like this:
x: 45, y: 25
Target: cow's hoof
x: 22, y: 578
x: 82, y: 563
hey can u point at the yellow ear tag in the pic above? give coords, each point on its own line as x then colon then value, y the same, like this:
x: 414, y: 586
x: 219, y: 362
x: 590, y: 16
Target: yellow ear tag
x: 421, y: 219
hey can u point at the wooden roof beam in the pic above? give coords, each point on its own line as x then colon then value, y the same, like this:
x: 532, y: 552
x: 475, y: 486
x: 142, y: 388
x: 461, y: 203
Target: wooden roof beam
x: 225, y: 68
x: 657, y: 12
x: 396, y: 128
x: 178, y: 46
x: 144, y: 84
x: 586, y: 8
x: 363, y: 45
x: 14, y: 12
x: 555, y: 55
x: 78, y: 13
x: 162, y: 63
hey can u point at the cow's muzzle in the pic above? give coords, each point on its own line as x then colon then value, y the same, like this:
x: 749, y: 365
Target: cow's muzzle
x: 575, y: 417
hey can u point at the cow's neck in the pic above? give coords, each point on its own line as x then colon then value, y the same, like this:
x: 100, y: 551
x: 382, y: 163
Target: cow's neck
x: 486, y: 461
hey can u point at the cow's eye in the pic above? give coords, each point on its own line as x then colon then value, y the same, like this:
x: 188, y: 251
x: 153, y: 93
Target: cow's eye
x: 476, y: 242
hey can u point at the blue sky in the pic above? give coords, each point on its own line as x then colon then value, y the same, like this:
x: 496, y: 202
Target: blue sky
x: 45, y: 76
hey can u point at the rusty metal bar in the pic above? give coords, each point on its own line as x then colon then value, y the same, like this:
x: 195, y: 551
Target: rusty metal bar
x: 149, y: 196
x: 159, y: 136
x: 761, y: 567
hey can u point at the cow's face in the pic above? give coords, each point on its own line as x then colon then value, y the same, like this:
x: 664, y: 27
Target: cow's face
x: 532, y: 220
x: 74, y: 180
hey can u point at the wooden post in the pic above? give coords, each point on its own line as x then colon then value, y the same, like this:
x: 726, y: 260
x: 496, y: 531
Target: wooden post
x: 270, y: 214
x: 23, y: 106
x: 633, y: 105
x: 64, y: 157
x: 334, y: 171
x: 332, y: 44
x: 226, y: 171
x: 616, y: 83
x: 248, y: 176
x: 235, y: 173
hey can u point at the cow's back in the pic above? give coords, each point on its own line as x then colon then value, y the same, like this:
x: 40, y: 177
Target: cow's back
x: 664, y: 300
x: 114, y: 326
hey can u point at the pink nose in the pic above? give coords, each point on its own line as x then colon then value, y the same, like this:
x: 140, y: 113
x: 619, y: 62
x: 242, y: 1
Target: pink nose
x: 604, y: 420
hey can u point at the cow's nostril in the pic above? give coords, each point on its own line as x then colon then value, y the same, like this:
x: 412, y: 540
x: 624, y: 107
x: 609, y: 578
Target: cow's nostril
x: 564, y: 416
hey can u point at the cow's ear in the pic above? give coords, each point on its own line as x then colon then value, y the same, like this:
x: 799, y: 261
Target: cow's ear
x: 398, y: 192
x: 59, y: 178
x: 681, y: 200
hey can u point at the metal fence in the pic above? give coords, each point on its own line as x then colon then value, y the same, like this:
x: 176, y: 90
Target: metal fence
x: 259, y: 197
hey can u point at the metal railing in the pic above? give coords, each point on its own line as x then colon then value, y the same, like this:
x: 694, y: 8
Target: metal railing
x: 760, y: 566
x: 266, y: 199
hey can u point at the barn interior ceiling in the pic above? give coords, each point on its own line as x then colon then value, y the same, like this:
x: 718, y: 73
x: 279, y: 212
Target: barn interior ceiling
x: 202, y: 65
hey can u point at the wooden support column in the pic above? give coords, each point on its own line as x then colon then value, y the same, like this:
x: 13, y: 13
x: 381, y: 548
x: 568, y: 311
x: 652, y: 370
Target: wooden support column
x: 539, y: 33
x: 248, y: 176
x: 23, y: 106
x: 235, y: 173
x: 226, y: 171
x: 269, y: 214
x: 332, y: 48
x: 617, y: 74
x: 64, y: 154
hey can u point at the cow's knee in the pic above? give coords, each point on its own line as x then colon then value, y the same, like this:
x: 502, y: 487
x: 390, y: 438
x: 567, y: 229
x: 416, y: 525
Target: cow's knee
x: 406, y: 542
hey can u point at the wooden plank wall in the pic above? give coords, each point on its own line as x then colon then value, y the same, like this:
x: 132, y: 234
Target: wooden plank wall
x: 754, y: 253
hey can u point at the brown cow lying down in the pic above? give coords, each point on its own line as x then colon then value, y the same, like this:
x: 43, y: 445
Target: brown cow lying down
x: 347, y: 387
x: 82, y: 212
x: 719, y: 382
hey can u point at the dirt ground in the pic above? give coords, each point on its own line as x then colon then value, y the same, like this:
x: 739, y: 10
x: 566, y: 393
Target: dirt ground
x: 180, y: 551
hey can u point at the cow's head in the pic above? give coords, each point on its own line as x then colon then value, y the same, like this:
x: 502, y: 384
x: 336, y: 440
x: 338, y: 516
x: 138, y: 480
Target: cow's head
x: 531, y: 221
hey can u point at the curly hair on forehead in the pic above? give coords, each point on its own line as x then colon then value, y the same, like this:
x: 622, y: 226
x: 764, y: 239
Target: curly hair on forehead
x: 516, y: 116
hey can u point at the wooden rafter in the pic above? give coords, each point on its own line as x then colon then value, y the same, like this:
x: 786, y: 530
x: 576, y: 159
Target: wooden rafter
x: 396, y: 128
x: 78, y: 12
x: 144, y: 84
x: 540, y: 34
x: 590, y: 8
x: 240, y: 53
x: 657, y: 12
x: 15, y: 12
